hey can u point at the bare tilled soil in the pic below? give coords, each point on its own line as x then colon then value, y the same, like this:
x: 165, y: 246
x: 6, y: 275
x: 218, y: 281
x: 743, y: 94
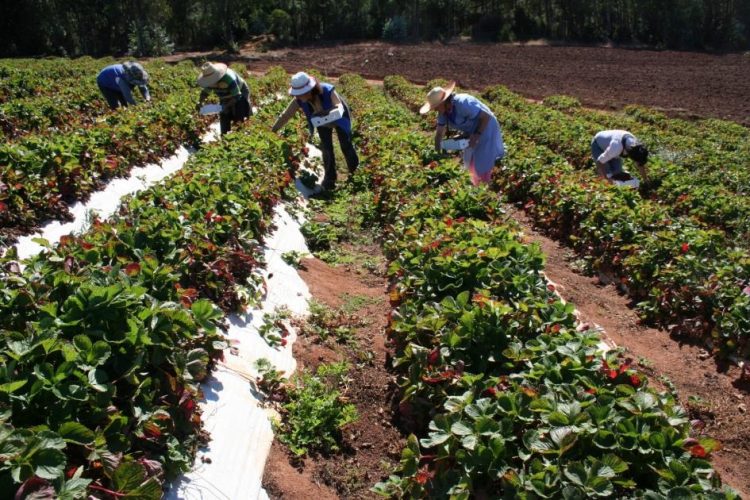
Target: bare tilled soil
x: 679, y: 83
x: 371, y: 444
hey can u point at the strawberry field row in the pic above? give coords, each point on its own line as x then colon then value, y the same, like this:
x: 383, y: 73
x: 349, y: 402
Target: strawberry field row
x: 508, y: 396
x: 106, y: 336
x: 79, y: 103
x: 686, y: 276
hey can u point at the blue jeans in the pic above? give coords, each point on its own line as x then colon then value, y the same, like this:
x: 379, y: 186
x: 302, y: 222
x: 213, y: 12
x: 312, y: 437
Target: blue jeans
x: 614, y: 166
x: 113, y: 97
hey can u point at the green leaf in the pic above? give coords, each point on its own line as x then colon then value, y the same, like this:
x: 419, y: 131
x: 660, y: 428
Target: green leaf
x: 434, y: 439
x: 461, y: 429
x: 101, y: 351
x: 11, y: 387
x: 130, y: 478
x: 49, y: 463
x: 577, y: 474
x: 469, y: 442
x: 73, y: 432
x: 98, y: 380
x: 615, y: 463
x: 82, y: 343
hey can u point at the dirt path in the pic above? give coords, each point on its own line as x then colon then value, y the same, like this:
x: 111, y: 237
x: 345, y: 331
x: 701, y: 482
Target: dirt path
x: 373, y: 441
x: 722, y: 400
x: 678, y: 83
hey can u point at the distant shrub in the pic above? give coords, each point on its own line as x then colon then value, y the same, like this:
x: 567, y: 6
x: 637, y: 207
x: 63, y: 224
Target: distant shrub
x: 395, y: 29
x: 150, y: 40
x: 280, y: 24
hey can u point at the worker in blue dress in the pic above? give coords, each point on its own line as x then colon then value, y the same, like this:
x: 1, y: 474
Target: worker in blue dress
x: 315, y: 98
x: 473, y: 118
x: 117, y: 81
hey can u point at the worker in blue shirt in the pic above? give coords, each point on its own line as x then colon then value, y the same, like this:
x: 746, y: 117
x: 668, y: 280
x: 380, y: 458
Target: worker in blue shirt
x: 117, y: 81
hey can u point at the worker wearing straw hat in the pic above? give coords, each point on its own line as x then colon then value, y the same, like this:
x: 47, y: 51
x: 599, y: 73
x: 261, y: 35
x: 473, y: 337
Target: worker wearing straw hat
x: 472, y: 117
x: 316, y: 98
x: 233, y: 93
x: 116, y: 83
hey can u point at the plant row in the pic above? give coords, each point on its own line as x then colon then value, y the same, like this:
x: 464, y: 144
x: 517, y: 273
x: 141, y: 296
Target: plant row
x: 709, y: 189
x: 80, y: 104
x: 106, y: 336
x: 507, y: 394
x: 685, y: 276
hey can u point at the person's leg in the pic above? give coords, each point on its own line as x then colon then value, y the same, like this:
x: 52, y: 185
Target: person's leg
x: 350, y: 154
x: 110, y: 96
x: 121, y: 99
x: 329, y: 161
x: 225, y: 122
x: 614, y: 167
x: 242, y: 109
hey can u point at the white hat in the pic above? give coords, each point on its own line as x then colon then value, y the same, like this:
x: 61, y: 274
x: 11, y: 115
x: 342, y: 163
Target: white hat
x: 211, y: 73
x: 437, y: 96
x: 302, y: 83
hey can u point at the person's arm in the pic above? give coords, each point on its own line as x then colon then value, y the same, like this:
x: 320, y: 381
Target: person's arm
x: 145, y: 93
x: 286, y: 115
x: 125, y: 89
x: 484, y: 118
x: 642, y: 170
x: 613, y: 151
x: 439, y: 134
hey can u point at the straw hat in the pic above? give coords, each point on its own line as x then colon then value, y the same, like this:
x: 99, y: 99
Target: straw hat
x: 436, y: 96
x: 211, y: 73
x: 134, y: 73
x: 302, y: 83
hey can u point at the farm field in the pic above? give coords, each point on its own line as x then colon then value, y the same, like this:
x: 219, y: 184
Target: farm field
x: 680, y: 83
x: 455, y: 345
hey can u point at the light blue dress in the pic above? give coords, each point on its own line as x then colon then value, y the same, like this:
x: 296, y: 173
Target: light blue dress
x: 464, y: 116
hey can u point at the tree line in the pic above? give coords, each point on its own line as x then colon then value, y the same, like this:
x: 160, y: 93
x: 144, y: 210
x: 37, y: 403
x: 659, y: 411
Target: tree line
x: 157, y: 27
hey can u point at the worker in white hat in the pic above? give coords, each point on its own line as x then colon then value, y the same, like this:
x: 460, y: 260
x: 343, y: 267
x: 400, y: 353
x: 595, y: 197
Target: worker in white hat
x: 315, y: 98
x: 233, y: 93
x: 117, y: 81
x: 472, y: 117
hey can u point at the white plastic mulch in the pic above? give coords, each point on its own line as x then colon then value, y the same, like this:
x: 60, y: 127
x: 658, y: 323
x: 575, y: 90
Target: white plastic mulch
x: 104, y: 203
x: 232, y: 464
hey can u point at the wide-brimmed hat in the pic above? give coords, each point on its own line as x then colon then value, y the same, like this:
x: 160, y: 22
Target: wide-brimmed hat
x: 134, y: 73
x: 302, y: 83
x: 436, y: 96
x: 211, y: 73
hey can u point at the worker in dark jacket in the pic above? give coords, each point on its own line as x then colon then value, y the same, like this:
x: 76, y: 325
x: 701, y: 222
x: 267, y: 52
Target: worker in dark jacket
x: 316, y: 99
x: 233, y: 93
x: 117, y: 81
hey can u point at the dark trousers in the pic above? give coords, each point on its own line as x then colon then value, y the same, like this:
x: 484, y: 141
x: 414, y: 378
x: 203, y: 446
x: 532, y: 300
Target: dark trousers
x: 239, y: 111
x: 114, y: 98
x: 329, y: 160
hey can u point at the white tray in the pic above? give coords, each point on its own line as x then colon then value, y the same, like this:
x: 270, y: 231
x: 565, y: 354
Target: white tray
x: 210, y: 109
x: 335, y: 114
x: 634, y: 183
x: 454, y: 144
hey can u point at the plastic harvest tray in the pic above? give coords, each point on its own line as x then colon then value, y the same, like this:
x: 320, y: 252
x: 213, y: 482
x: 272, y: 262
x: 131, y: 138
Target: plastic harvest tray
x: 210, y: 109
x: 333, y: 115
x: 634, y: 183
x: 454, y: 144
